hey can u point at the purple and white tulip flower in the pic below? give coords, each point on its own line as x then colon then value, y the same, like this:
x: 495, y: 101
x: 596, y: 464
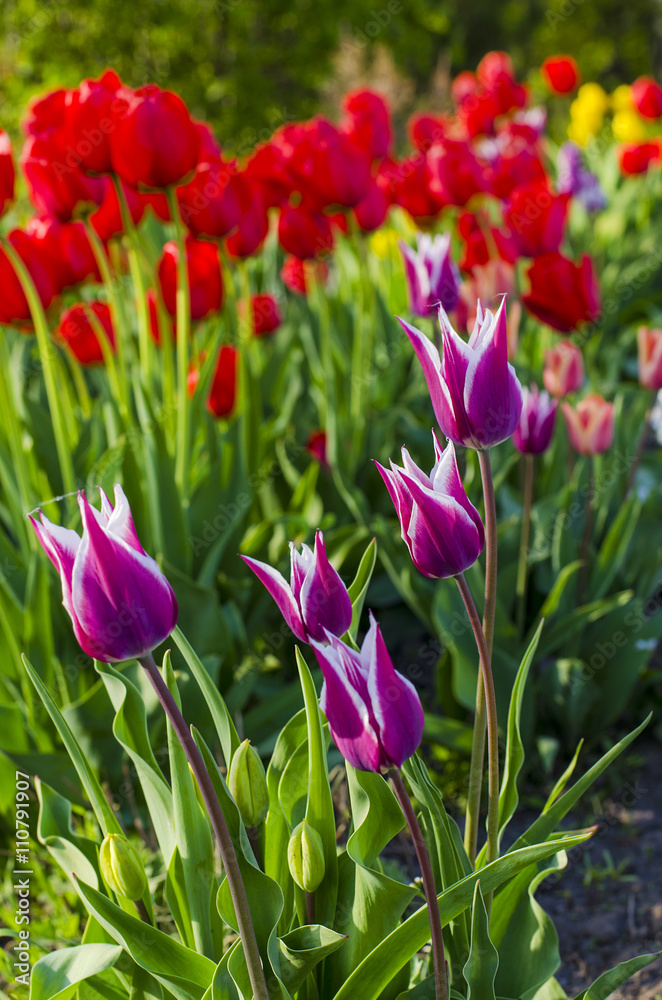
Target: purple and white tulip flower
x: 475, y: 393
x: 119, y: 601
x: 441, y: 527
x: 534, y: 432
x: 432, y: 277
x: 315, y: 601
x: 374, y: 713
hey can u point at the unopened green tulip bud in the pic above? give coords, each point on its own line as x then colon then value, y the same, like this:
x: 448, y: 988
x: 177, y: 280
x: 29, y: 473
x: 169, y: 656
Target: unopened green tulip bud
x: 248, y: 785
x: 305, y: 857
x: 121, y: 867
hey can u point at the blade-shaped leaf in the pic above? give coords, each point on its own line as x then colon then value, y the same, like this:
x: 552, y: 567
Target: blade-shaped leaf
x: 57, y: 975
x: 605, y: 985
x: 483, y: 961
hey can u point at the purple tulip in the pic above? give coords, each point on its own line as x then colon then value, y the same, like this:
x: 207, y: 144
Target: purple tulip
x: 476, y: 395
x: 119, y: 601
x: 315, y: 601
x: 573, y: 178
x: 533, y: 434
x: 432, y: 277
x: 442, y: 528
x: 374, y: 713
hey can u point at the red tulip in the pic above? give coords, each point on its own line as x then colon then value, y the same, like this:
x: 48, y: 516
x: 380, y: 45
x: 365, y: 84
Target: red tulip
x: 536, y: 218
x: 424, y: 130
x: 56, y: 184
x: 517, y: 164
x: 89, y: 112
x: 204, y: 275
x: 463, y: 87
x: 340, y: 169
x: 293, y: 275
x: 408, y: 184
x: 316, y: 448
x: 477, y: 114
x: 155, y: 142
x: 650, y: 357
x: 636, y: 157
x: 68, y: 249
x: 7, y: 172
x: 477, y: 250
x: 267, y: 168
x: 590, y: 424
x: 306, y: 233
x: 368, y: 122
x: 564, y: 369
x: 496, y: 74
x: 224, y: 384
x: 13, y: 304
x: 563, y: 294
x: 372, y: 210
x: 266, y: 316
x: 76, y: 329
x: 646, y: 95
x: 209, y: 203
x: 561, y: 74
x: 253, y: 220
x: 455, y: 172
x: 46, y: 114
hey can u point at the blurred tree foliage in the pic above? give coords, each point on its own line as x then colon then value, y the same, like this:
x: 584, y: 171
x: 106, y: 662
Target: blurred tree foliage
x: 249, y: 65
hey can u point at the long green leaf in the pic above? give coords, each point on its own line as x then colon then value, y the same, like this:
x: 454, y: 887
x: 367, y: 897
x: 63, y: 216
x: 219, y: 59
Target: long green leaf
x: 359, y: 586
x: 57, y: 975
x: 605, y: 985
x: 483, y: 962
x: 104, y: 814
x: 225, y: 727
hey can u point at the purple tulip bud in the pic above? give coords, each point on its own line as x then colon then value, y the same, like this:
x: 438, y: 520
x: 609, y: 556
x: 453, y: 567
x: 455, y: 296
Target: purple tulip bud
x: 374, y: 713
x: 476, y: 395
x: 316, y: 600
x: 533, y: 434
x: 573, y: 178
x: 432, y: 277
x: 442, y: 528
x: 119, y: 601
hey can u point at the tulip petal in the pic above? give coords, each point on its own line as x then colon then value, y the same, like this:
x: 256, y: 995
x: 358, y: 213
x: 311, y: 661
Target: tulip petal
x: 60, y: 545
x: 300, y: 563
x: 492, y: 393
x: 120, y: 521
x: 347, y: 712
x: 324, y: 601
x: 394, y: 701
x: 401, y: 499
x: 282, y: 594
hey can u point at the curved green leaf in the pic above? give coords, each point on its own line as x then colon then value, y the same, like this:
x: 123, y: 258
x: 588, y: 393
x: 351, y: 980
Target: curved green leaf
x: 57, y: 975
x: 605, y: 985
x: 74, y: 854
x: 180, y: 969
x: 483, y: 962
x: 304, y: 948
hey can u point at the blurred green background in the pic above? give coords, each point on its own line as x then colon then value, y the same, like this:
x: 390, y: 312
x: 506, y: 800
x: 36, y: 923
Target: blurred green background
x: 249, y: 65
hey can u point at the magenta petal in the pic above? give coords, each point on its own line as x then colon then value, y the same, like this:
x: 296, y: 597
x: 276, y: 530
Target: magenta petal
x: 428, y: 355
x: 324, y: 601
x: 394, y: 701
x: 347, y: 712
x: 282, y: 594
x: 401, y: 499
x: 417, y: 279
x: 60, y: 545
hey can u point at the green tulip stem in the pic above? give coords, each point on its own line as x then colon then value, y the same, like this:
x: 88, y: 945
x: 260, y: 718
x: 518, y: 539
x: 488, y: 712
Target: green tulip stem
x: 527, y: 500
x: 228, y: 856
x: 310, y: 907
x: 480, y: 719
x: 437, y: 937
x: 135, y: 267
x: 492, y: 728
x: 47, y: 356
x: 641, y: 446
x: 182, y: 339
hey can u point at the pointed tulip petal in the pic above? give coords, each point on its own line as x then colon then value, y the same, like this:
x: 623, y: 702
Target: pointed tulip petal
x: 324, y: 601
x: 282, y: 594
